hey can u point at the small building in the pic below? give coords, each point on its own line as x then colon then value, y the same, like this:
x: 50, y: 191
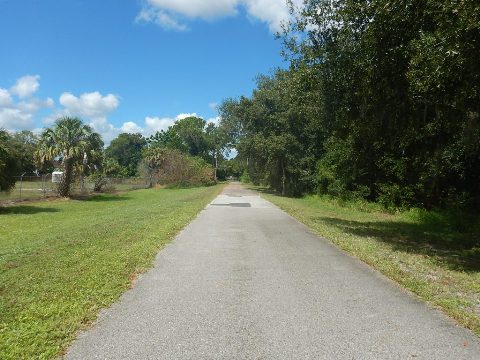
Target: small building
x: 57, y: 177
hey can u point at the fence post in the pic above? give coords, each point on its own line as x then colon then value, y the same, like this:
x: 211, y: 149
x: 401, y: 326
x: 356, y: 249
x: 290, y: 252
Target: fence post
x: 21, y: 183
x: 43, y: 185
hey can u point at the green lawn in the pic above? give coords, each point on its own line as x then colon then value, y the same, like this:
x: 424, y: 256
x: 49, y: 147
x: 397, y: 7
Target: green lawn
x: 61, y: 261
x: 435, y: 255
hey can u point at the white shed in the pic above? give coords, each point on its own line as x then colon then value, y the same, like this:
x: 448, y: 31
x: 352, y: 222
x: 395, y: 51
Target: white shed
x: 57, y: 177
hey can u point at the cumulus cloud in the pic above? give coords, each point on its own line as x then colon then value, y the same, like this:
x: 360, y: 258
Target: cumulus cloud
x: 5, y: 98
x: 173, y: 14
x: 155, y: 123
x: 14, y: 119
x: 102, y: 126
x: 26, y: 86
x: 185, y: 115
x: 214, y: 120
x: 95, y: 108
x: 161, y: 18
x: 17, y: 106
x: 152, y: 124
x: 91, y: 105
x: 19, y: 109
x: 131, y: 127
x: 272, y: 12
x: 34, y: 105
x: 205, y: 9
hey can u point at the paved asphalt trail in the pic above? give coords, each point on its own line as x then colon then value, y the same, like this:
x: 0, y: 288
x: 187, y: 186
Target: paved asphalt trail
x: 246, y: 281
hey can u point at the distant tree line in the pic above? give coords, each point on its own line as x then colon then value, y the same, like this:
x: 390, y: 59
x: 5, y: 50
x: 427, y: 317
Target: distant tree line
x: 190, y: 152
x: 381, y: 101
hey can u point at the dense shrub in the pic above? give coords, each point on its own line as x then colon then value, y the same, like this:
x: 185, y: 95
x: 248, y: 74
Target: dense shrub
x: 172, y: 167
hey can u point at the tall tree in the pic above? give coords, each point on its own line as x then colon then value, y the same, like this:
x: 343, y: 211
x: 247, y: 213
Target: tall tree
x: 191, y: 135
x: 9, y: 164
x: 217, y: 140
x: 127, y: 150
x: 191, y: 131
x: 25, y: 143
x: 71, y: 143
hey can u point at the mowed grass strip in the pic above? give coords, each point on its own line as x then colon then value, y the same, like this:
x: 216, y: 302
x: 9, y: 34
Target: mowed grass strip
x: 62, y: 261
x: 434, y: 255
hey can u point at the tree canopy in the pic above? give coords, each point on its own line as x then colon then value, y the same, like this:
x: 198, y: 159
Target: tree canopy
x: 72, y: 144
x: 194, y: 137
x: 9, y: 164
x: 126, y: 150
x: 381, y: 101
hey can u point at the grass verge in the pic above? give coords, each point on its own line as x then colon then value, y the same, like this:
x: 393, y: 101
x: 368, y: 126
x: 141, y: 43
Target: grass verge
x: 435, y: 255
x: 62, y: 261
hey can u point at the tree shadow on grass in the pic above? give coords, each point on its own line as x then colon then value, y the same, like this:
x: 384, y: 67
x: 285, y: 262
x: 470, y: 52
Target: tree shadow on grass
x: 25, y: 210
x: 458, y: 251
x: 107, y: 198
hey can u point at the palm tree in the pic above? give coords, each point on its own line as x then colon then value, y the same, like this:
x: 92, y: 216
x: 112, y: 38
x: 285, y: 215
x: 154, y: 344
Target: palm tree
x: 72, y: 143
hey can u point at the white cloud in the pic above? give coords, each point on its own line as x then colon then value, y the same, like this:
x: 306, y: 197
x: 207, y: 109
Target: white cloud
x: 14, y: 119
x: 155, y: 123
x: 5, y: 98
x: 161, y: 18
x: 205, y: 9
x: 272, y: 12
x: 26, y: 86
x: 172, y: 14
x: 151, y: 125
x: 18, y: 114
x: 34, y: 105
x: 185, y: 115
x: 214, y: 120
x: 93, y: 105
x: 131, y: 127
x: 104, y: 128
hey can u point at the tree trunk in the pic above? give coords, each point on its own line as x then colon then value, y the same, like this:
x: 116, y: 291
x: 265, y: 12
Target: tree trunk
x: 283, y: 179
x: 64, y: 186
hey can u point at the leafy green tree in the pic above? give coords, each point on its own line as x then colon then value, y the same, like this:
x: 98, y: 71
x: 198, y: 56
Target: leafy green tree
x: 169, y: 139
x: 217, y: 144
x: 193, y: 136
x: 25, y: 143
x: 9, y: 164
x: 276, y: 132
x: 381, y: 101
x: 72, y: 144
x: 127, y: 150
x: 191, y: 131
x: 398, y: 97
x: 111, y: 167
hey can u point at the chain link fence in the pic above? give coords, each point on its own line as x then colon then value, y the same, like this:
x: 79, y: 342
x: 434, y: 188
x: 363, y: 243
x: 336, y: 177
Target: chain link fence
x: 37, y: 187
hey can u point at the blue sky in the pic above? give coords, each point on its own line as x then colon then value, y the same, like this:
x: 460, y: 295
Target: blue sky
x: 131, y: 65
